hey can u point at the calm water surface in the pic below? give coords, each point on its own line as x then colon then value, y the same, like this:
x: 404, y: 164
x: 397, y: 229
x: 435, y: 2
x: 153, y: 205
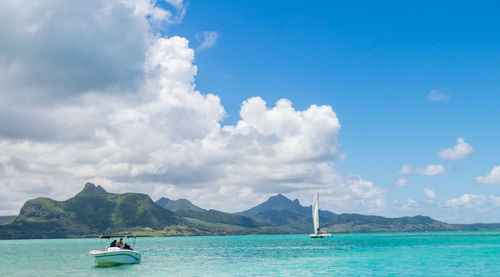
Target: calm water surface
x: 387, y: 254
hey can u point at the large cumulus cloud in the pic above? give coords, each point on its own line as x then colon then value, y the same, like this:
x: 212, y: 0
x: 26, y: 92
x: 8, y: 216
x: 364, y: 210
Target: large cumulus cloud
x: 89, y: 91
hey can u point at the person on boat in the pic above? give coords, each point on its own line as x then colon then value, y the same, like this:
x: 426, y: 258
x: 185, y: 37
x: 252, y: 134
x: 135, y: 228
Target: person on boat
x: 120, y: 243
x: 126, y: 246
x: 113, y: 244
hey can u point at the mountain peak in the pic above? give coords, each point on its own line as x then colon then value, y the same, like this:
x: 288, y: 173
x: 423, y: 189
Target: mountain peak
x: 91, y: 189
x: 163, y: 201
x: 278, y: 197
x: 278, y: 202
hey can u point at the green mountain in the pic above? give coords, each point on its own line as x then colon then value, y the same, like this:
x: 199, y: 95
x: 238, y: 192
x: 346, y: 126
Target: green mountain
x: 91, y: 211
x: 217, y: 222
x: 95, y: 211
x: 290, y: 216
x: 5, y: 218
x: 279, y: 203
x: 213, y: 221
x: 178, y: 205
x: 357, y: 223
x: 287, y: 220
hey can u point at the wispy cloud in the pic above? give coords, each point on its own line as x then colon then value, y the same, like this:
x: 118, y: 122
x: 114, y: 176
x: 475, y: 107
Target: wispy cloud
x: 438, y: 95
x: 401, y: 182
x: 460, y: 151
x: 171, y: 16
x: 429, y: 193
x: 207, y: 38
x: 430, y: 170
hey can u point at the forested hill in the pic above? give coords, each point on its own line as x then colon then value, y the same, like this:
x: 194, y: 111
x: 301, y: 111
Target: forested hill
x: 95, y: 211
x: 92, y: 211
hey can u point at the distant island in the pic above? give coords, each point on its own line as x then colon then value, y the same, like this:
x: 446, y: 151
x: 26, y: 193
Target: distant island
x: 95, y: 211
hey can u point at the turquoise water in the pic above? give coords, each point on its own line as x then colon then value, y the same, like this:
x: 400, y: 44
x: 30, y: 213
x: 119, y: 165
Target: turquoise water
x: 386, y: 254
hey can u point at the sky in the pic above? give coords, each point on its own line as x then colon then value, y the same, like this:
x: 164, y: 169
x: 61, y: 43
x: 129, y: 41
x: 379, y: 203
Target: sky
x: 383, y: 108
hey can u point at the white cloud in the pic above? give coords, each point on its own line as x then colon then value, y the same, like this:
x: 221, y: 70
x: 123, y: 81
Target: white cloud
x: 467, y: 208
x: 438, y: 95
x: 433, y: 169
x: 409, y: 205
x: 406, y: 169
x: 60, y: 48
x: 466, y: 199
x: 430, y: 170
x: 401, y: 182
x: 429, y: 193
x: 493, y: 178
x: 472, y: 208
x: 159, y: 136
x: 207, y: 38
x: 479, y: 202
x: 460, y: 151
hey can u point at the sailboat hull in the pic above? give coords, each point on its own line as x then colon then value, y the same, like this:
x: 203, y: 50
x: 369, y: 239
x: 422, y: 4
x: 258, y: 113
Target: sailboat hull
x: 315, y: 236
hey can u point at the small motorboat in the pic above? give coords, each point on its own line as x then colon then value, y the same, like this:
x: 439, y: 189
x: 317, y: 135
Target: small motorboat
x: 116, y: 255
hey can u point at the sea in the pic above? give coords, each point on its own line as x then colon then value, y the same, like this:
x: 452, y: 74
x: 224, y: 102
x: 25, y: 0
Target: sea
x: 374, y: 254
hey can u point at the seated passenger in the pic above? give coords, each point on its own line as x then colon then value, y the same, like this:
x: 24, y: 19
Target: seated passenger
x: 113, y: 244
x: 126, y: 246
x: 120, y: 243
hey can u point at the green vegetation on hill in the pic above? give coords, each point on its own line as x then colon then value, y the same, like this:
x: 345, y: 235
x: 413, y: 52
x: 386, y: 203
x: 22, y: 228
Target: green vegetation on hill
x: 217, y: 222
x: 357, y: 223
x: 290, y: 216
x: 282, y: 212
x: 278, y: 203
x: 211, y: 221
x: 215, y: 216
x: 5, y: 218
x: 94, y: 211
x: 293, y: 222
x: 178, y: 205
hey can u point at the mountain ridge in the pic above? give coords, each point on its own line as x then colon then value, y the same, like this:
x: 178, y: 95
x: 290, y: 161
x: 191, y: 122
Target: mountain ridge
x: 94, y: 211
x: 177, y: 205
x: 280, y: 202
x: 91, y: 211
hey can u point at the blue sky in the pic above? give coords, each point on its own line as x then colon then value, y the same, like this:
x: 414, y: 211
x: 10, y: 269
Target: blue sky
x: 375, y: 64
x: 115, y: 104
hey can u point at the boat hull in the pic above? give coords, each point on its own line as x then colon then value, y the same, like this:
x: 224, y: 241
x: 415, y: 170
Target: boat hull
x: 316, y: 236
x: 116, y: 257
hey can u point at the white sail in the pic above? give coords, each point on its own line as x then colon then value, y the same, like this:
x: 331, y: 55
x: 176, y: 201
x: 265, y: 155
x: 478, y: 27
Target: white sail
x: 315, y: 213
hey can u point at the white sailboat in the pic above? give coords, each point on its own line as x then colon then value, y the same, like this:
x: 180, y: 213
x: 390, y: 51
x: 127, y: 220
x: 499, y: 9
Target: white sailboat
x: 315, y: 215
